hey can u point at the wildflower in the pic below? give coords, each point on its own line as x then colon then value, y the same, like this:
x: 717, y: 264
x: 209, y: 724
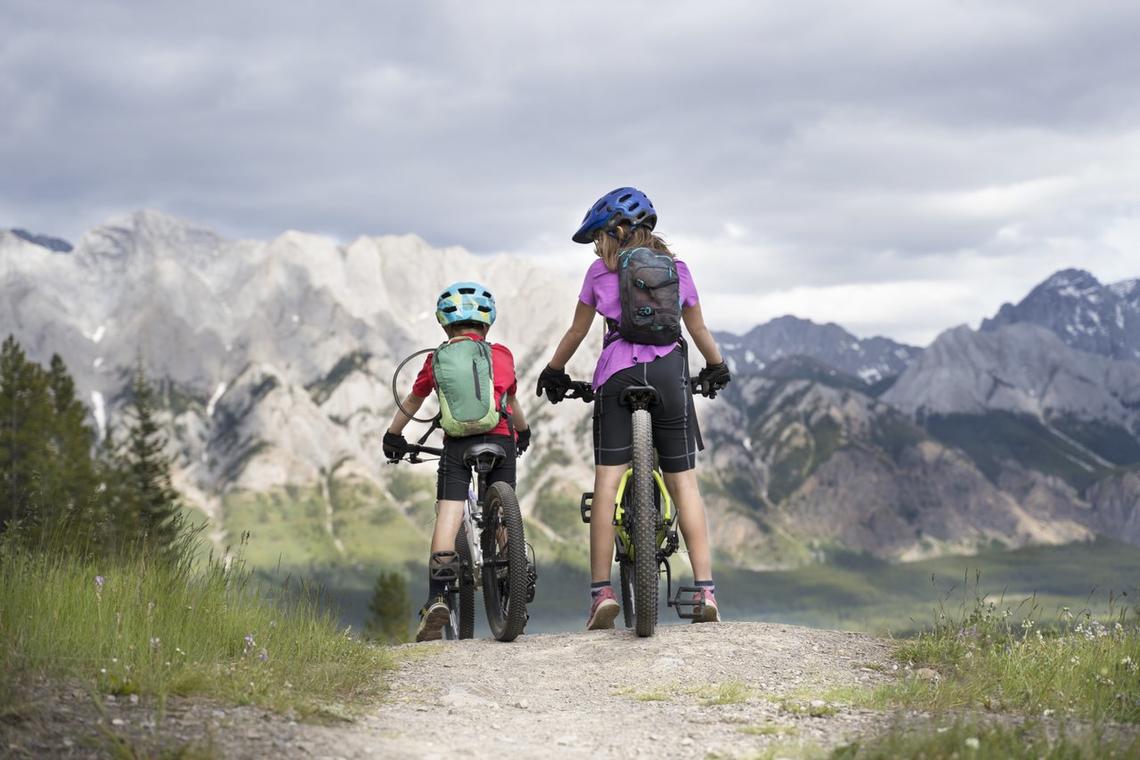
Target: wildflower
x: 249, y: 644
x: 1074, y: 660
x: 1129, y: 664
x: 179, y: 650
x: 264, y: 656
x: 154, y: 642
x: 99, y: 587
x: 972, y: 742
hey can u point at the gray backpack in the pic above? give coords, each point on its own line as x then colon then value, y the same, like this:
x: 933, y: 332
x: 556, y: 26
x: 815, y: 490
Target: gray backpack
x: 650, y: 292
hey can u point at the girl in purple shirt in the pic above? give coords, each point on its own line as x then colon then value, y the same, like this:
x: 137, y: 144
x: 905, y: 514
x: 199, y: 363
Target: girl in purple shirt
x: 621, y: 220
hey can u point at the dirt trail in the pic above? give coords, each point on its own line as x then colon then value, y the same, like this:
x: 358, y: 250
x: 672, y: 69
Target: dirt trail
x: 692, y: 691
x: 609, y: 694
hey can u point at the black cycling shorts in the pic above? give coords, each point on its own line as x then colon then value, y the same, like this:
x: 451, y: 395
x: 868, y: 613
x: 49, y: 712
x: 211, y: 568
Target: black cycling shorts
x: 454, y: 477
x: 674, y: 424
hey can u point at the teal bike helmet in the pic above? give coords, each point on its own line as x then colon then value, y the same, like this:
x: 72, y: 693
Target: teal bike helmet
x: 465, y: 302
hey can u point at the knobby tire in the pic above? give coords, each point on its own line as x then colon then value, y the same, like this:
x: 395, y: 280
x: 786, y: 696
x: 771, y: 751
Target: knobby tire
x: 504, y: 588
x: 626, y: 571
x: 466, y: 585
x: 644, y: 533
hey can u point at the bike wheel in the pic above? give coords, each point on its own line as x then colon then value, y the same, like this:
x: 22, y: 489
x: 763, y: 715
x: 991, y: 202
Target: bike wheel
x: 626, y: 571
x: 644, y: 532
x: 504, y: 563
x: 466, y: 585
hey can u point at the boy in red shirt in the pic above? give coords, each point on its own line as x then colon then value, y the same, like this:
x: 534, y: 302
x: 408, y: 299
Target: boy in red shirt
x: 464, y: 309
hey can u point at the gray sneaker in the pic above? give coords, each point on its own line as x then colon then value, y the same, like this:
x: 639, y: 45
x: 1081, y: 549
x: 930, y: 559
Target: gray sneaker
x: 433, y: 618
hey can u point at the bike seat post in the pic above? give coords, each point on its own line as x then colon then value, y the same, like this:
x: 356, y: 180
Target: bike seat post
x: 639, y: 397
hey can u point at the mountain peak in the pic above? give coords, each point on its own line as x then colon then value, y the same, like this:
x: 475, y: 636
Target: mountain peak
x: 1084, y: 313
x: 1071, y: 283
x: 870, y: 359
x: 58, y: 245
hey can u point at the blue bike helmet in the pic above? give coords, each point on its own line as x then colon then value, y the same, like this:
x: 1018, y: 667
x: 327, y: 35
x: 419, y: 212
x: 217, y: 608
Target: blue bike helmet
x: 626, y: 204
x: 465, y: 302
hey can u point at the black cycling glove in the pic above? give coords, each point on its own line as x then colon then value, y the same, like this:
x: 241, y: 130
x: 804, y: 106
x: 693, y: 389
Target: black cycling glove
x: 555, y: 382
x: 713, y: 378
x: 395, y: 446
x: 523, y: 442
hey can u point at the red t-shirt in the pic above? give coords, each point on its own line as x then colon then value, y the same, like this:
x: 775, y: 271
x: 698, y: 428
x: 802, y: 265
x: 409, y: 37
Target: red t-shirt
x: 502, y: 367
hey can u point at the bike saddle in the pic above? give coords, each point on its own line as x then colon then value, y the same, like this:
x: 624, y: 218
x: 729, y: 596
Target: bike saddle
x: 484, y: 456
x: 639, y: 396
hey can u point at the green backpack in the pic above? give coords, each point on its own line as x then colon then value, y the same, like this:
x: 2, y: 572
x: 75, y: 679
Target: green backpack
x: 465, y: 383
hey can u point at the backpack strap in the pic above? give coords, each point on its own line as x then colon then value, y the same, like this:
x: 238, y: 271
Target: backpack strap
x: 503, y: 399
x: 431, y: 429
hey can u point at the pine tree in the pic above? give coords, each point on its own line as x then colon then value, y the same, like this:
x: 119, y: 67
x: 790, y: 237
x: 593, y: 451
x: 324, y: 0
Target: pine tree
x: 26, y: 422
x: 390, y: 609
x: 147, y: 488
x: 73, y: 481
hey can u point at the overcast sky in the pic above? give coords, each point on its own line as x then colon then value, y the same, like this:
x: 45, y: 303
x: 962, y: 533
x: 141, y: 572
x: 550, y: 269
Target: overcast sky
x: 898, y: 169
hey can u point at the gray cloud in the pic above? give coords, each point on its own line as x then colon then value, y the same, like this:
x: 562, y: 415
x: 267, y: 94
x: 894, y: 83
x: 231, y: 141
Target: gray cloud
x: 843, y: 147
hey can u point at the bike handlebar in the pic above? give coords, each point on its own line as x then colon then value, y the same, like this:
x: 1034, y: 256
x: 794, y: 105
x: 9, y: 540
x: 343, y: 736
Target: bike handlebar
x: 583, y: 390
x: 413, y: 452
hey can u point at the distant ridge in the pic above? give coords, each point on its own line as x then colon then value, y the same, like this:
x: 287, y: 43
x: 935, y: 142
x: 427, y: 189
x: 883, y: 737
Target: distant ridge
x: 1086, y: 314
x: 59, y: 245
x: 871, y: 359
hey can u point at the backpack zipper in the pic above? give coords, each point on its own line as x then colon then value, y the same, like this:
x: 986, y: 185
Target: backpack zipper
x: 475, y: 376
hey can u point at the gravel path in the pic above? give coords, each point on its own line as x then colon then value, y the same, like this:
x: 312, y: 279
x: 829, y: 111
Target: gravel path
x: 692, y: 691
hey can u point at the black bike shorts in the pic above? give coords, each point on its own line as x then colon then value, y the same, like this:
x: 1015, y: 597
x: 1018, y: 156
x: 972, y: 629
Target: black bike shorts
x: 674, y: 423
x: 454, y: 477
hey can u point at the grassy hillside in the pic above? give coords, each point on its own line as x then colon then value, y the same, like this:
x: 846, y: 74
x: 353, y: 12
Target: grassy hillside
x: 862, y: 593
x: 135, y: 626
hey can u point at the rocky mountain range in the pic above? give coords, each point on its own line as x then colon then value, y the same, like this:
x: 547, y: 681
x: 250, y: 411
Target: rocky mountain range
x: 1099, y: 319
x: 871, y: 360
x: 275, y: 361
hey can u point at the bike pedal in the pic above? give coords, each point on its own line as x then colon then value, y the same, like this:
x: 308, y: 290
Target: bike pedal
x: 586, y: 504
x: 692, y: 606
x: 444, y: 566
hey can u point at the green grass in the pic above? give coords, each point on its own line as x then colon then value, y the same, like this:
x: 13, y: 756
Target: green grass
x: 973, y: 738
x: 158, y: 629
x: 727, y: 693
x: 999, y: 658
x: 768, y: 729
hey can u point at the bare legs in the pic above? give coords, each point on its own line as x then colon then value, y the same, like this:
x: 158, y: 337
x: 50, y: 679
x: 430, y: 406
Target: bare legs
x: 691, y: 515
x: 694, y: 524
x: 448, y: 516
x: 606, y: 479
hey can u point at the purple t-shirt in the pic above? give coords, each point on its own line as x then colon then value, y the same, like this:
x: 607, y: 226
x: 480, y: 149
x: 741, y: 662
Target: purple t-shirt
x: 600, y: 290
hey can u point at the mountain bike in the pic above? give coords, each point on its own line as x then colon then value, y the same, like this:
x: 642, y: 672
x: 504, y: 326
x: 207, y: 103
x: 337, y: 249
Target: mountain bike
x: 491, y: 552
x: 645, y: 518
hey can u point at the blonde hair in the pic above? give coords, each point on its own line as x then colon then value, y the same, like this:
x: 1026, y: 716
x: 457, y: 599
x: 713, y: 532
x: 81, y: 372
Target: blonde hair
x: 607, y: 246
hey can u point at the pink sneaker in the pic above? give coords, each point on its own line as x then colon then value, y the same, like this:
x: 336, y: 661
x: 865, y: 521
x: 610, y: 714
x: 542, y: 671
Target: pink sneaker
x: 605, y: 609
x: 711, y: 613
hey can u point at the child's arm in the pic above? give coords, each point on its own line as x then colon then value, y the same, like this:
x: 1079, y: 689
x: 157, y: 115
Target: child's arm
x: 412, y: 404
x: 518, y: 419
